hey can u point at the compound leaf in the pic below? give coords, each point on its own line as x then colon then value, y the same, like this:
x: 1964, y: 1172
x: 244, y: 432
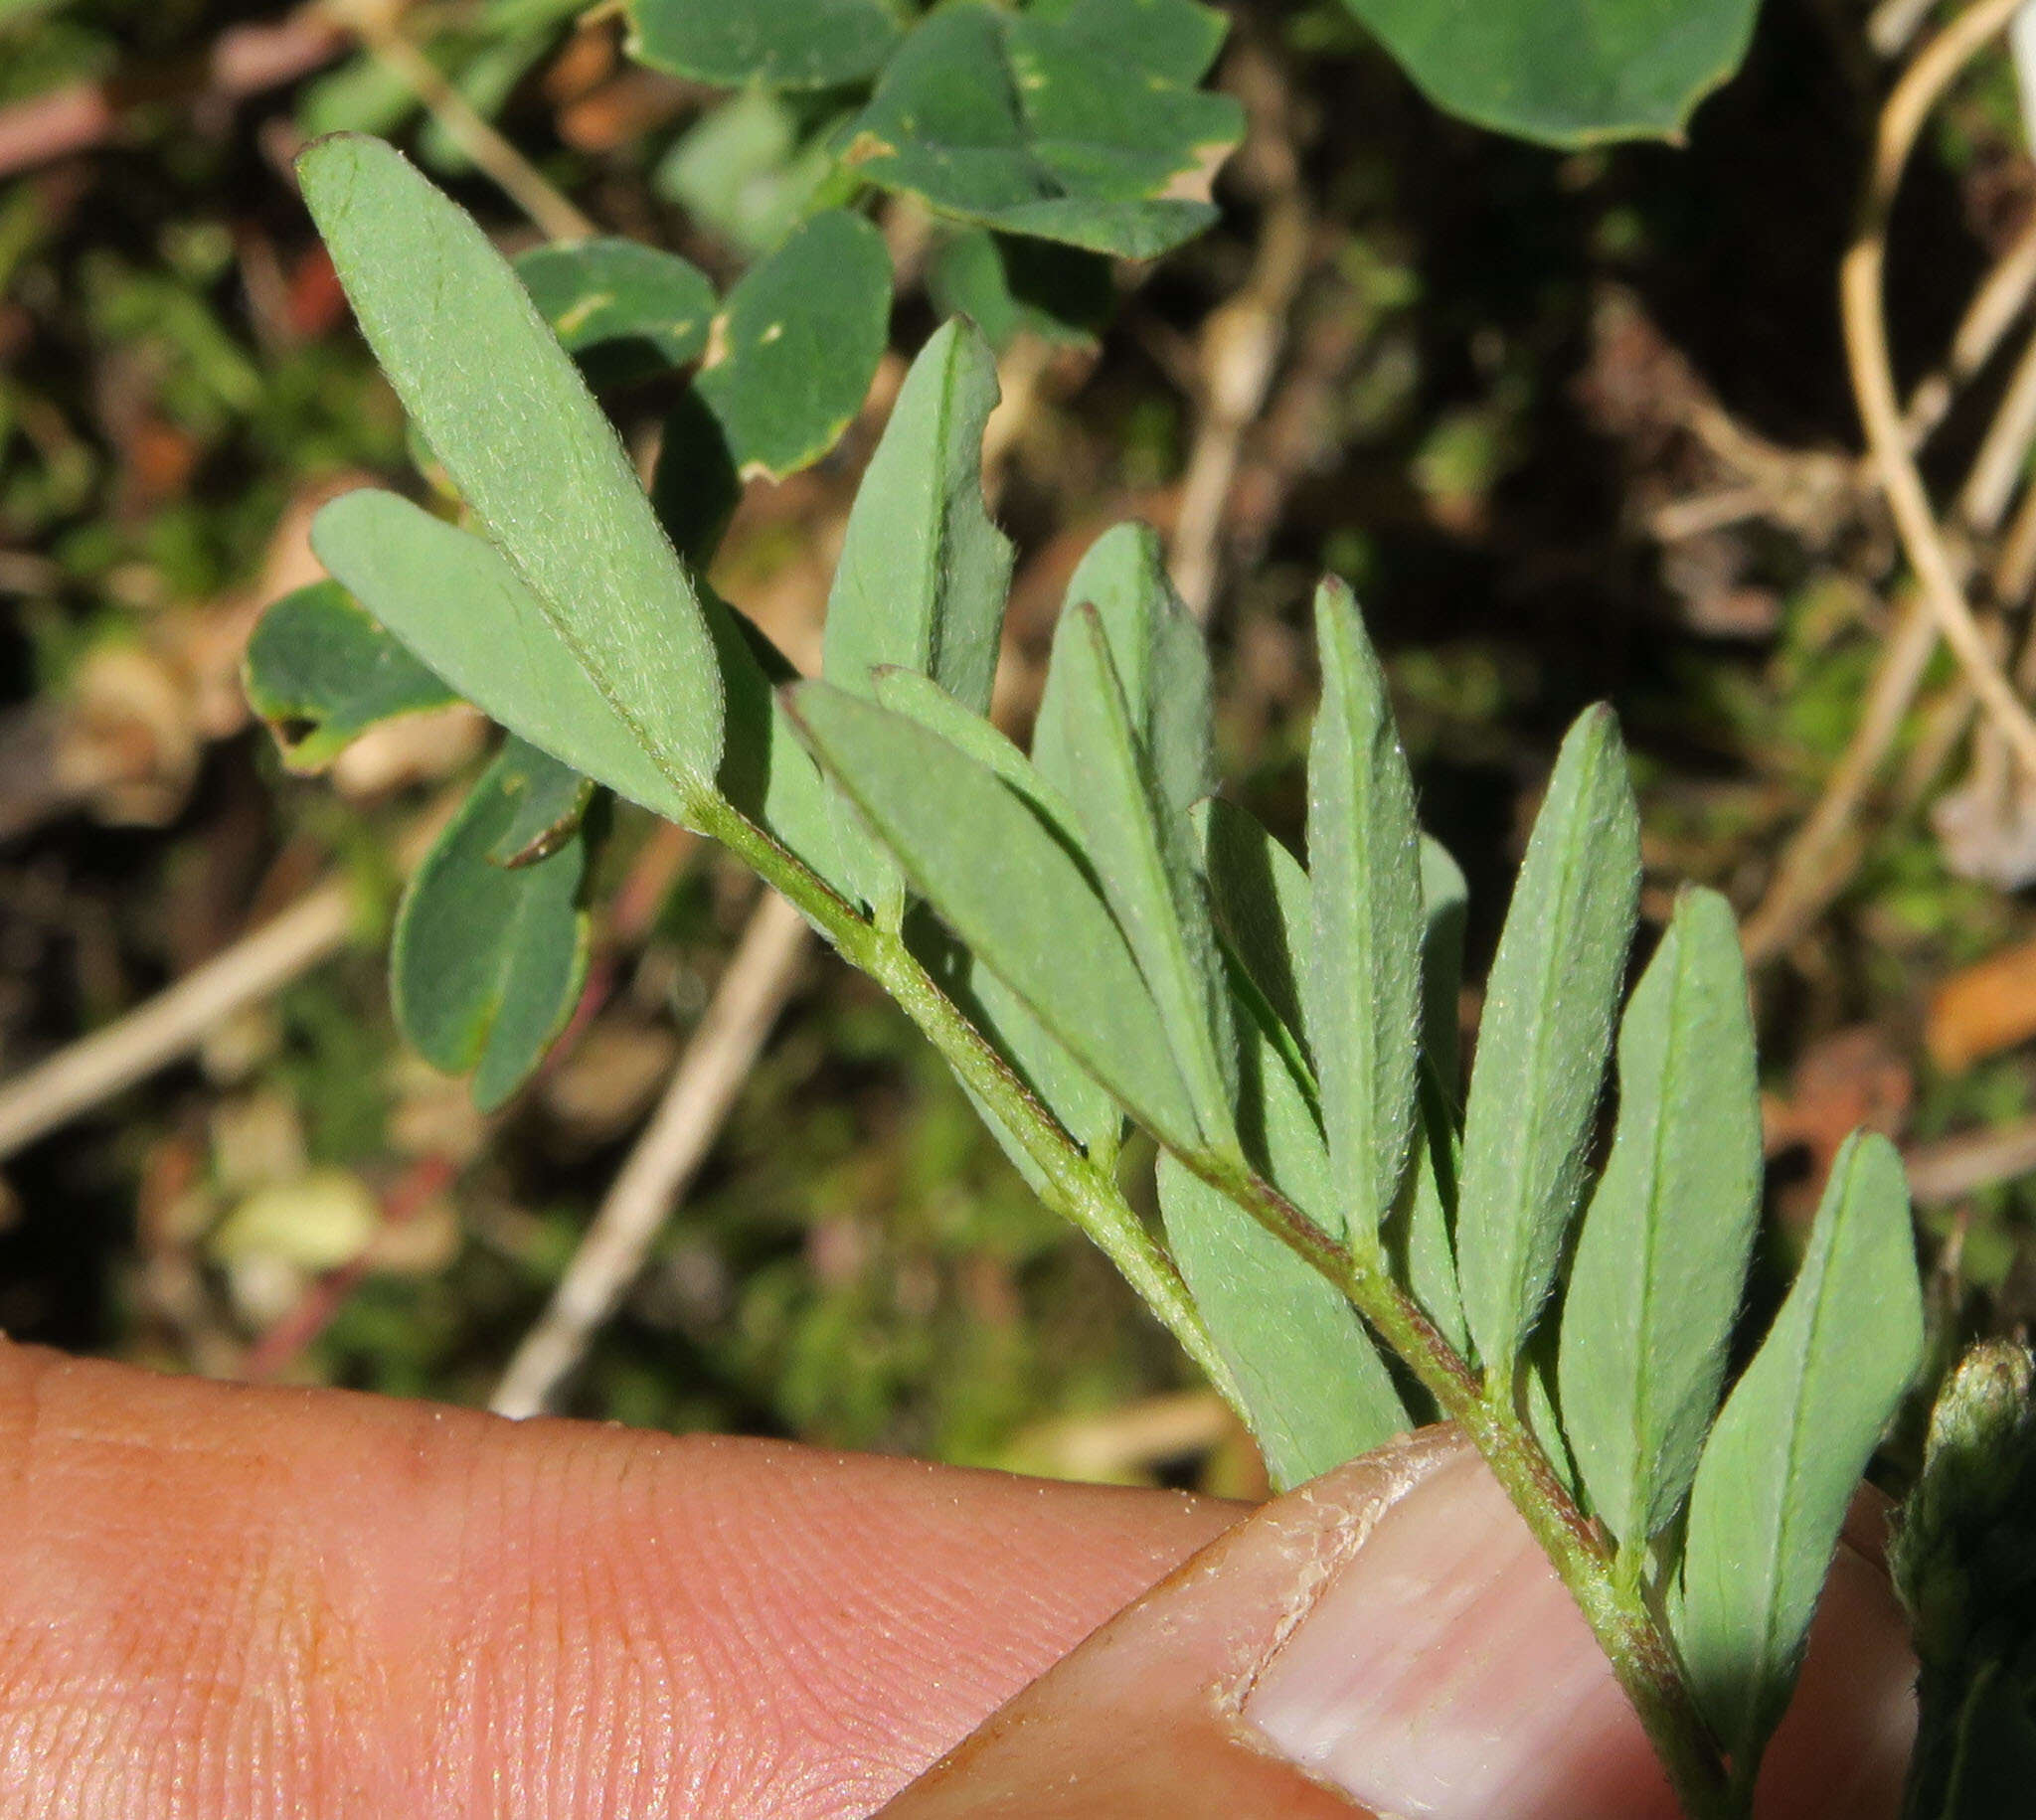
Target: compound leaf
x: 1001, y: 875
x: 1072, y: 124
x: 1549, y: 1010
x: 1662, y: 1254
x: 487, y: 962
x: 774, y: 44
x: 624, y: 309
x: 1571, y: 73
x: 795, y: 344
x: 1361, y: 989
x: 503, y: 409
x: 1779, y: 1469
x: 321, y: 672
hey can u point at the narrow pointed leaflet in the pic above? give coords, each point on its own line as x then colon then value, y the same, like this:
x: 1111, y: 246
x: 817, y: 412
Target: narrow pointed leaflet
x: 502, y: 407
x: 924, y: 573
x: 1662, y: 1251
x: 1162, y: 666
x: 1549, y: 1010
x: 1011, y: 886
x: 1070, y: 1091
x: 1361, y: 987
x: 1143, y: 852
x: 1779, y: 1469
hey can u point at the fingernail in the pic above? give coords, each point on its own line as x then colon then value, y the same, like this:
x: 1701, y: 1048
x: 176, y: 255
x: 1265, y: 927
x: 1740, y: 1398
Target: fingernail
x: 1445, y: 1674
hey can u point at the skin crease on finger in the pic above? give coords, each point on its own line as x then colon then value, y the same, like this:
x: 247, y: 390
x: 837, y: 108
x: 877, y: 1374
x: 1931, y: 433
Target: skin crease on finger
x: 222, y: 1603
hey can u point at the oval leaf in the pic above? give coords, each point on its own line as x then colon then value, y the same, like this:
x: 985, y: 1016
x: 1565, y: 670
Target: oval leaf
x: 775, y: 44
x: 791, y: 353
x: 1549, y: 1011
x: 1567, y: 75
x: 1073, y: 123
x: 321, y: 672
x: 625, y: 310
x: 486, y: 963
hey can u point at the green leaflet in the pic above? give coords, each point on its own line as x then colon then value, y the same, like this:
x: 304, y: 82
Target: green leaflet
x: 1007, y: 286
x: 1083, y: 1106
x: 458, y: 605
x: 504, y: 411
x: 1420, y: 1232
x: 1069, y: 123
x: 745, y: 172
x: 1779, y: 1469
x: 547, y: 803
x: 1162, y: 666
x: 999, y: 875
x: 624, y: 309
x: 924, y: 573
x: 1316, y: 1393
x: 775, y: 44
x: 792, y: 351
x: 1259, y: 893
x: 321, y: 672
x: 1662, y: 1251
x: 1361, y: 986
x: 454, y: 600
x: 486, y: 963
x: 1446, y: 901
x: 1549, y: 1010
x: 1571, y: 73
x: 1143, y: 853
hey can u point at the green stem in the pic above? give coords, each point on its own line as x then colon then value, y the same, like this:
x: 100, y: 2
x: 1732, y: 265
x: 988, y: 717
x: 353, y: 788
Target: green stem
x: 1627, y: 1628
x: 1081, y: 1189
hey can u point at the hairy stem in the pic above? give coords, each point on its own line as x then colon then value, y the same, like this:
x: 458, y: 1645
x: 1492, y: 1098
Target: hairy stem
x: 1080, y: 1189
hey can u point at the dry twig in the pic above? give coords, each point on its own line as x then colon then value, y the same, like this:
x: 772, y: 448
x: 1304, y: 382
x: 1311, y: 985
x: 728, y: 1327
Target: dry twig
x: 177, y: 1021
x: 710, y: 1074
x: 1818, y: 859
x: 1866, y: 343
x: 377, y: 25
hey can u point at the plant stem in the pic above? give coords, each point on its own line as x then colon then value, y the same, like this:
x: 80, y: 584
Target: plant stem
x: 1639, y: 1652
x: 1081, y: 1189
x: 1627, y: 1628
